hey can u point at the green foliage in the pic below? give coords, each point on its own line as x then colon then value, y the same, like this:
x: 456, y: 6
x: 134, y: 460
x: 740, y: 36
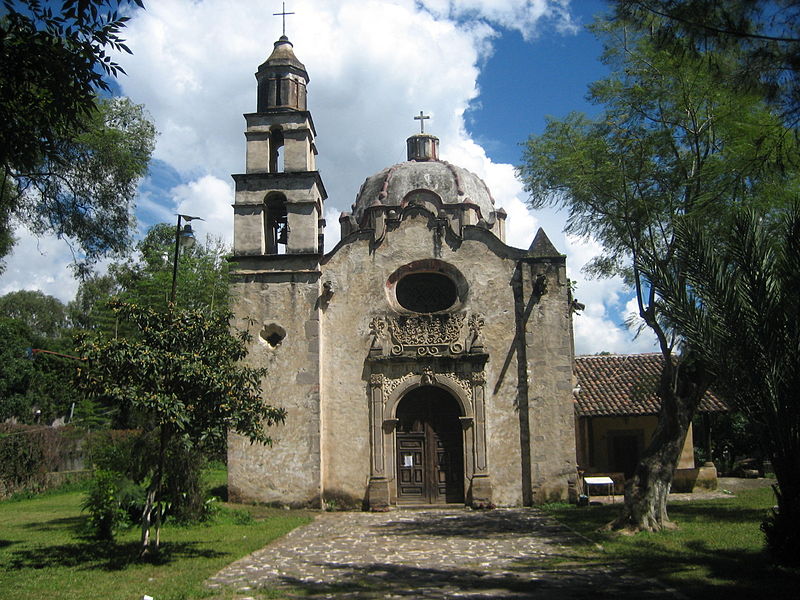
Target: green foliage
x: 31, y: 379
x: 104, y: 504
x: 116, y: 450
x: 16, y: 370
x: 183, y: 372
x: 53, y: 59
x: 145, y: 279
x: 182, y: 376
x: 93, y: 293
x: 762, y: 34
x: 672, y: 143
x: 738, y: 311
x: 69, y: 162
x: 44, y: 315
x: 86, y: 193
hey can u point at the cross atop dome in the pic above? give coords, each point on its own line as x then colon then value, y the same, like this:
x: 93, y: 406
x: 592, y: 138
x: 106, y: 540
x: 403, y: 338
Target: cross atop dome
x: 421, y: 118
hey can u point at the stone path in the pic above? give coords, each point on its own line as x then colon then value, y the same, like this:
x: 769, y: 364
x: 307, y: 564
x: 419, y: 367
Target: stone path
x: 448, y: 553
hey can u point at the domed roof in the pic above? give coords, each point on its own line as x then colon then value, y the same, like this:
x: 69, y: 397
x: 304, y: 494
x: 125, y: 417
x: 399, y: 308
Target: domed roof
x: 452, y: 184
x: 283, y: 57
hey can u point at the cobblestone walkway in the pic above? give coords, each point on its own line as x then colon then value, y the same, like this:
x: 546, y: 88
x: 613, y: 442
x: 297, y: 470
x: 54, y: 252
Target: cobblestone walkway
x: 452, y: 553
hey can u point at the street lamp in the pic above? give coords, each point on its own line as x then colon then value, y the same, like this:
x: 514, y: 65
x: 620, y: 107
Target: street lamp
x: 183, y: 237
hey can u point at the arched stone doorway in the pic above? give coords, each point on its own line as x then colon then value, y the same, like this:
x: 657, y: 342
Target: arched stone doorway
x: 429, y: 447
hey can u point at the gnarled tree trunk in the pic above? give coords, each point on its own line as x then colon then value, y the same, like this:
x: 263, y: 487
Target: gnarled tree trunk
x: 680, y: 388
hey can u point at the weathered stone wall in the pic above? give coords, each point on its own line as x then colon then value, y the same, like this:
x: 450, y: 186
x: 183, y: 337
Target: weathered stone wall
x: 548, y: 348
x: 359, y: 273
x: 320, y: 372
x: 284, y: 303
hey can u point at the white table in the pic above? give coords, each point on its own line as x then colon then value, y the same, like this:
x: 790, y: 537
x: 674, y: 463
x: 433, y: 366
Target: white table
x: 606, y: 481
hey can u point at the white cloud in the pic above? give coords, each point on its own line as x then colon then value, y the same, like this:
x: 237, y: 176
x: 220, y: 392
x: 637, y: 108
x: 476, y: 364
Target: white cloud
x: 523, y: 16
x: 210, y: 199
x: 373, y: 64
x: 39, y: 264
x: 601, y: 326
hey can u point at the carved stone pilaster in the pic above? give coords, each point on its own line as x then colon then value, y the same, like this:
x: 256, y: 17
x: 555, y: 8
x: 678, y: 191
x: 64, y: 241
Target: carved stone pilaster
x: 378, y: 487
x: 377, y: 464
x: 480, y: 493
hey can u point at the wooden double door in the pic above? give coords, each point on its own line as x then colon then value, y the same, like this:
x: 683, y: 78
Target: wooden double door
x: 429, y: 448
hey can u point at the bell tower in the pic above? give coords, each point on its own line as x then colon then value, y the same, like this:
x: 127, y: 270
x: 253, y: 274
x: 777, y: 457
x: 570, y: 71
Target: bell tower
x: 279, y: 199
x: 276, y: 285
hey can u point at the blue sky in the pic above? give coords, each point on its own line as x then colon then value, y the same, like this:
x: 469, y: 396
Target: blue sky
x: 487, y: 71
x: 511, y: 83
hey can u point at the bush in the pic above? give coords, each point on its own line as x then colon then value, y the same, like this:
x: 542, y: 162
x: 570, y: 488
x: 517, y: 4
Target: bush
x: 129, y: 452
x: 183, y: 486
x: 782, y: 529
x: 104, y: 505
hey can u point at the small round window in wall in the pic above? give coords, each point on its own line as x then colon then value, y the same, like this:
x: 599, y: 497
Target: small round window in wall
x: 426, y: 292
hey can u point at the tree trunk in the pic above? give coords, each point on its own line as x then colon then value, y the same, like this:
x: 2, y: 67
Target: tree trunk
x: 147, y: 519
x: 153, y: 499
x: 680, y: 388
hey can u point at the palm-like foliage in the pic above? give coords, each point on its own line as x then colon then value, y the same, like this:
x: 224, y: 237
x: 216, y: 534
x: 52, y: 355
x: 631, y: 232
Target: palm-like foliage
x: 740, y: 314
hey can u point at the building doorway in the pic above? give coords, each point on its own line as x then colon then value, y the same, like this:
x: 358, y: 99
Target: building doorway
x: 429, y: 448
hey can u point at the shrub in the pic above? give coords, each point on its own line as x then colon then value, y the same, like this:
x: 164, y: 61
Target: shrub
x: 104, y: 505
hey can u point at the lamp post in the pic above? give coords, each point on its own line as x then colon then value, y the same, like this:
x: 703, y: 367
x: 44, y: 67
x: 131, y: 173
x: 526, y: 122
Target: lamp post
x: 183, y: 237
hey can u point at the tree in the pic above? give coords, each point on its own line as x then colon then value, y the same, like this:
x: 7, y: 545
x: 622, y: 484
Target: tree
x: 45, y: 315
x: 144, y: 278
x: 764, y: 34
x: 53, y: 59
x: 671, y: 143
x: 33, y: 321
x: 739, y: 313
x: 87, y: 193
x: 182, y: 372
x: 93, y: 292
x: 70, y: 162
x: 16, y: 371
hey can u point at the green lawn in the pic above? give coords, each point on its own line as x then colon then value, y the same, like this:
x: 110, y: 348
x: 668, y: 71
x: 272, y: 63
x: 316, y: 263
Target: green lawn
x: 44, y: 553
x: 716, y: 552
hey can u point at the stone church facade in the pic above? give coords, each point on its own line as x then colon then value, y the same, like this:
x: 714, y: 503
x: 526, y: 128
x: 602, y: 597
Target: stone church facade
x: 422, y: 360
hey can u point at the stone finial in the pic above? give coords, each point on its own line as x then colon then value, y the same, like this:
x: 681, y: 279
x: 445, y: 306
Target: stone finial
x: 422, y: 147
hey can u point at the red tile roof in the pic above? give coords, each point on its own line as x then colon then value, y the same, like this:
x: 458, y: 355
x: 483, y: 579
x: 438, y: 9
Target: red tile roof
x: 624, y: 385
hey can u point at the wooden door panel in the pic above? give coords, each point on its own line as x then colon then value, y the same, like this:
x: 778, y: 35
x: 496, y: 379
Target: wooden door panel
x: 429, y: 449
x: 411, y: 467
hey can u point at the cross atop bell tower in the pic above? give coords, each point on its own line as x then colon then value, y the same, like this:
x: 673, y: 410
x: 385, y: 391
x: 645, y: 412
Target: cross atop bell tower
x: 283, y: 14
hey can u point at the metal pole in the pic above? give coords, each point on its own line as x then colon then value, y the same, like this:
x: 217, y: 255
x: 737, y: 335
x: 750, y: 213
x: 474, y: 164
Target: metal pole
x: 175, y: 261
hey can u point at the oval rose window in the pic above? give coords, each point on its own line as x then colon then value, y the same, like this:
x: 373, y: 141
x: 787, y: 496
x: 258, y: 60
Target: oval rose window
x: 426, y: 292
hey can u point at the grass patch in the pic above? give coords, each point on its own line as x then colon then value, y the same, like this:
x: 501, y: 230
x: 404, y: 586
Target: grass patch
x: 44, y: 553
x: 717, y: 552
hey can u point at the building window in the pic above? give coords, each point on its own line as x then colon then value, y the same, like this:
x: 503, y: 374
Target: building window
x: 426, y: 287
x: 426, y: 292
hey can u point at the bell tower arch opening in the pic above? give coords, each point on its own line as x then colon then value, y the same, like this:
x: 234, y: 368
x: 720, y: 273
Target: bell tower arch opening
x: 429, y: 444
x: 276, y: 225
x: 276, y: 151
